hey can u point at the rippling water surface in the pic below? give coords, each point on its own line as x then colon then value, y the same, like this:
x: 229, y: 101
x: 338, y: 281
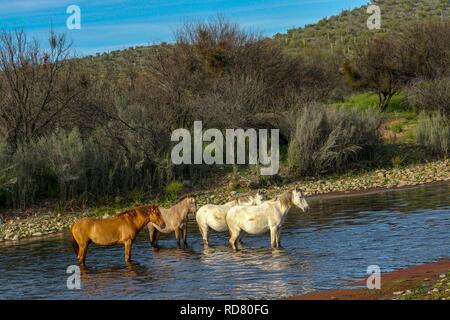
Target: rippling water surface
x: 330, y: 245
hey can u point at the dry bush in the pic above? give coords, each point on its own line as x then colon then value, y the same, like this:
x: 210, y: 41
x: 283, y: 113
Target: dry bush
x: 327, y: 140
x: 432, y: 95
x: 386, y: 63
x: 211, y: 61
x: 426, y: 48
x: 433, y: 133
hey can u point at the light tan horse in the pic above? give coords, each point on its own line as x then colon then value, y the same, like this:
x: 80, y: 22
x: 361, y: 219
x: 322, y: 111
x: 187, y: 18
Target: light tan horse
x: 122, y: 228
x: 175, y: 218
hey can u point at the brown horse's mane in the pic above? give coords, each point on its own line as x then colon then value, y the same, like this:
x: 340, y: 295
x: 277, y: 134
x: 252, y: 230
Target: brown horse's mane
x: 132, y: 212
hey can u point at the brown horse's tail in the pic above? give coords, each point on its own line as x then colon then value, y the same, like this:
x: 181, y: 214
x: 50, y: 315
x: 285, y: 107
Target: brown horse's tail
x: 75, y: 245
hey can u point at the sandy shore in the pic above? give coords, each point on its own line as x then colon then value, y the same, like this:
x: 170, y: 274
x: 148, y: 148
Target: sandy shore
x: 425, y: 281
x: 42, y: 224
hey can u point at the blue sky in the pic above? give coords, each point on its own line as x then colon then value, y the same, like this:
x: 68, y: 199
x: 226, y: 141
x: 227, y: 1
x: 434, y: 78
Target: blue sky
x: 112, y: 24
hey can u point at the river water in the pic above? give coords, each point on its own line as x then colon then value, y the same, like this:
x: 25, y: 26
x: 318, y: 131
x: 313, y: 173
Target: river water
x: 325, y: 248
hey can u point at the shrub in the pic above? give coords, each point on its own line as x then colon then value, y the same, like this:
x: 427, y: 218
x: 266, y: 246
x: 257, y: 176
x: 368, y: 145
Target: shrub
x: 431, y: 95
x: 173, y: 189
x: 327, y: 139
x: 63, y: 167
x: 433, y: 133
x: 385, y: 63
x: 397, y: 161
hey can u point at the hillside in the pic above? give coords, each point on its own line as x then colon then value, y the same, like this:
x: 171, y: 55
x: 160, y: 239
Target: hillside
x: 342, y: 30
x: 329, y: 33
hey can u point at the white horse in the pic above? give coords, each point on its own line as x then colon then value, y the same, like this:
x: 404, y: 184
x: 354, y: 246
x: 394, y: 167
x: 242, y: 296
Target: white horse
x: 269, y: 216
x: 213, y: 216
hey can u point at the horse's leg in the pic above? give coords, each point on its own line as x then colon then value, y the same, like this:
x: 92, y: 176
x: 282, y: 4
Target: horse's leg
x: 204, y: 233
x: 82, y: 254
x: 234, y: 240
x: 177, y: 236
x: 273, y: 237
x: 151, y: 232
x: 234, y: 237
x: 128, y: 244
x: 279, y: 238
x: 155, y: 238
x: 204, y: 230
x: 184, y: 232
x: 235, y: 232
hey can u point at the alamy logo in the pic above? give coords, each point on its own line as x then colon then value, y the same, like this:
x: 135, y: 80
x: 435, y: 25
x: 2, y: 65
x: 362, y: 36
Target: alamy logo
x: 235, y: 147
x: 74, y: 20
x: 74, y: 280
x: 374, y: 21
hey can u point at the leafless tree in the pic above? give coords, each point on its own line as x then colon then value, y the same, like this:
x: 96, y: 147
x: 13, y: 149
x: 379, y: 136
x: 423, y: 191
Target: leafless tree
x: 375, y: 65
x: 36, y: 86
x: 386, y: 63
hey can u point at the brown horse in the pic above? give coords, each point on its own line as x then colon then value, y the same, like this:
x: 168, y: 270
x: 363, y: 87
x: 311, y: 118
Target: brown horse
x: 176, y: 220
x: 122, y: 228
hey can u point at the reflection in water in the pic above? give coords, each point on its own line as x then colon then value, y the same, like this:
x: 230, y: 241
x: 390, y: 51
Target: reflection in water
x: 324, y: 248
x: 253, y: 271
x: 95, y: 282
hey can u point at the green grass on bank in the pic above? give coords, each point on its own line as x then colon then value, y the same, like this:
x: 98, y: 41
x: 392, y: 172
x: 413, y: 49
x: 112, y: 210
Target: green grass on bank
x: 368, y: 100
x: 400, y: 117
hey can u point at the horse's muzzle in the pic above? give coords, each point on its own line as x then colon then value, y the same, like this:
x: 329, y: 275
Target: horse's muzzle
x: 162, y: 226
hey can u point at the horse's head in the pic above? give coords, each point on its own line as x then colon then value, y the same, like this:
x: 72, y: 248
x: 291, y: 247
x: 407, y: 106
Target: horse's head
x: 259, y: 198
x: 192, y: 204
x: 299, y: 200
x: 156, y: 217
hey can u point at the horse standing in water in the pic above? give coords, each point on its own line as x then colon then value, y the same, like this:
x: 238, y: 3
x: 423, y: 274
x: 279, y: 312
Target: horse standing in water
x: 213, y: 216
x: 269, y: 216
x: 122, y: 228
x: 176, y: 220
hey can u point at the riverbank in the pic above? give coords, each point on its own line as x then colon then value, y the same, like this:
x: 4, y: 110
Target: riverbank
x: 429, y: 281
x: 54, y: 221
